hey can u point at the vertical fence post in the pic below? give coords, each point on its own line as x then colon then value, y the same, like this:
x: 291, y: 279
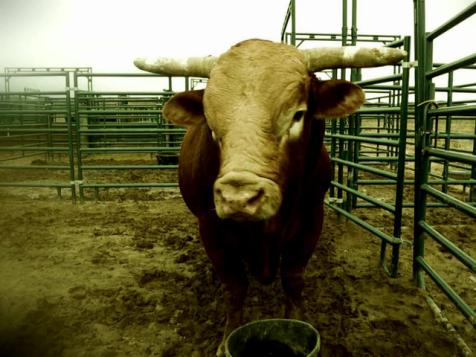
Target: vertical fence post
x: 449, y: 102
x: 69, y: 123
x: 401, y: 159
x: 293, y: 22
x: 79, y: 161
x: 420, y: 97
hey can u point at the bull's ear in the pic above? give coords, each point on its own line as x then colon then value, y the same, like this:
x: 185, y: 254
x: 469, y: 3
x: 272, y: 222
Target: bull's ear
x: 185, y: 108
x: 336, y: 98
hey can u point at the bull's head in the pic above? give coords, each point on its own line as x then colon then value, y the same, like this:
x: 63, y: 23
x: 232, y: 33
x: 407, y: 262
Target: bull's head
x: 255, y: 103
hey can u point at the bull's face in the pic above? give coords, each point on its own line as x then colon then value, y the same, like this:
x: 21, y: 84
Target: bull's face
x: 255, y: 103
x: 259, y: 96
x: 249, y: 105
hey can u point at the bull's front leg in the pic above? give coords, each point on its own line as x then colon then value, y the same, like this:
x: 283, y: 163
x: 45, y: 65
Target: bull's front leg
x: 231, y: 272
x: 293, y: 263
x: 235, y: 286
x: 293, y: 283
x: 296, y: 255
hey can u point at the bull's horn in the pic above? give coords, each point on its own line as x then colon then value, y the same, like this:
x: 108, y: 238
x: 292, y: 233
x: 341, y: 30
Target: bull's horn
x: 193, y: 66
x: 342, y: 57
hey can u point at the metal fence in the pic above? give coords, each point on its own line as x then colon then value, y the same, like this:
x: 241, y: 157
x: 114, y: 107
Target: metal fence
x: 440, y: 165
x: 36, y: 125
x: 79, y: 138
x: 116, y: 128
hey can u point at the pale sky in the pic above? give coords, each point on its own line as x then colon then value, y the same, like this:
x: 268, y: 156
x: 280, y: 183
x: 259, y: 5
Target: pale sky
x: 108, y: 34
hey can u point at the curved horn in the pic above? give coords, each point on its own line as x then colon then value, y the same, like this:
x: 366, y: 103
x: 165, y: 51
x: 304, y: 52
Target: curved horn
x: 341, y: 57
x: 193, y: 66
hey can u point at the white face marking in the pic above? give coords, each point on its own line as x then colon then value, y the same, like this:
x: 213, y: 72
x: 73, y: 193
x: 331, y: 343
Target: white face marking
x: 296, y: 128
x: 292, y: 125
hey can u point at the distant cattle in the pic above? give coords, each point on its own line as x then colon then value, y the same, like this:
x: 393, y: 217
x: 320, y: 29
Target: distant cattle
x: 253, y: 167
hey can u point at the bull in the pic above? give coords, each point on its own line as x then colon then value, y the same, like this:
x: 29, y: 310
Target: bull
x: 253, y: 168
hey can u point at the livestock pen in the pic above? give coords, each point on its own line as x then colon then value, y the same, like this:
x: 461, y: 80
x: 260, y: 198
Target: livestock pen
x: 123, y: 272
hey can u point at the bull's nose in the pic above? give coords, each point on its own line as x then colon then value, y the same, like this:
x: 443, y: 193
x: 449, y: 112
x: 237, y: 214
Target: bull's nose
x: 236, y: 200
x: 244, y: 196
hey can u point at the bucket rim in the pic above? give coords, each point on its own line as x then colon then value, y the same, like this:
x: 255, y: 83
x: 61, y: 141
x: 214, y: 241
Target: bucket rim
x: 314, y: 351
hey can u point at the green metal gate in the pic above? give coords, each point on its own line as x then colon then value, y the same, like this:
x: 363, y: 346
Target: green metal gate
x: 36, y: 125
x: 113, y: 125
x: 437, y: 158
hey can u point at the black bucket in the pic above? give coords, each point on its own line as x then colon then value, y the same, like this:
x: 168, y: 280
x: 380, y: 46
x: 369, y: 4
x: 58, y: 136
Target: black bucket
x: 274, y: 338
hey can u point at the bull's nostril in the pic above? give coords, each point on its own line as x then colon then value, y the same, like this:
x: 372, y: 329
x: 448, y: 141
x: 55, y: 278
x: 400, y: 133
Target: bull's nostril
x: 256, y: 199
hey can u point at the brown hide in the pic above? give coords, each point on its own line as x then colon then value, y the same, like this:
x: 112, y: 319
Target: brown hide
x: 294, y: 230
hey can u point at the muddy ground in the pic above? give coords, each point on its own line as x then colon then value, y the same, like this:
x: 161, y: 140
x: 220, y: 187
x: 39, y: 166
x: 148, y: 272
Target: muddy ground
x: 127, y: 276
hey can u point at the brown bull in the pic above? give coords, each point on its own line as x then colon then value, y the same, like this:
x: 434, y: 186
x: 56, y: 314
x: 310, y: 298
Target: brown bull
x: 253, y: 167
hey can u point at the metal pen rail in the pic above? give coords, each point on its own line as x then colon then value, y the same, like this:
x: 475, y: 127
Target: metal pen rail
x: 429, y: 148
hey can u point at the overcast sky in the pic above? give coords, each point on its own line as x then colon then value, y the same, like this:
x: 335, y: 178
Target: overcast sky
x: 108, y: 34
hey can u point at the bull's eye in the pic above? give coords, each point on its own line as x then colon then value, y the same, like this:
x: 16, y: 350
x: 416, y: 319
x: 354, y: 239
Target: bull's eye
x: 299, y: 115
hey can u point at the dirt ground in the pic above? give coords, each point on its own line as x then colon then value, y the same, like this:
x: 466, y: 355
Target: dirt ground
x: 127, y: 276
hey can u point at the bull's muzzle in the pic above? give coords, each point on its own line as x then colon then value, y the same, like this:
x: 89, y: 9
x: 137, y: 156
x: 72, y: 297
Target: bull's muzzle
x: 244, y: 196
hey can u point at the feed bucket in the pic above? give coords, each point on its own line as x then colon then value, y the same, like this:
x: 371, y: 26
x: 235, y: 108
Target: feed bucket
x: 273, y: 337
